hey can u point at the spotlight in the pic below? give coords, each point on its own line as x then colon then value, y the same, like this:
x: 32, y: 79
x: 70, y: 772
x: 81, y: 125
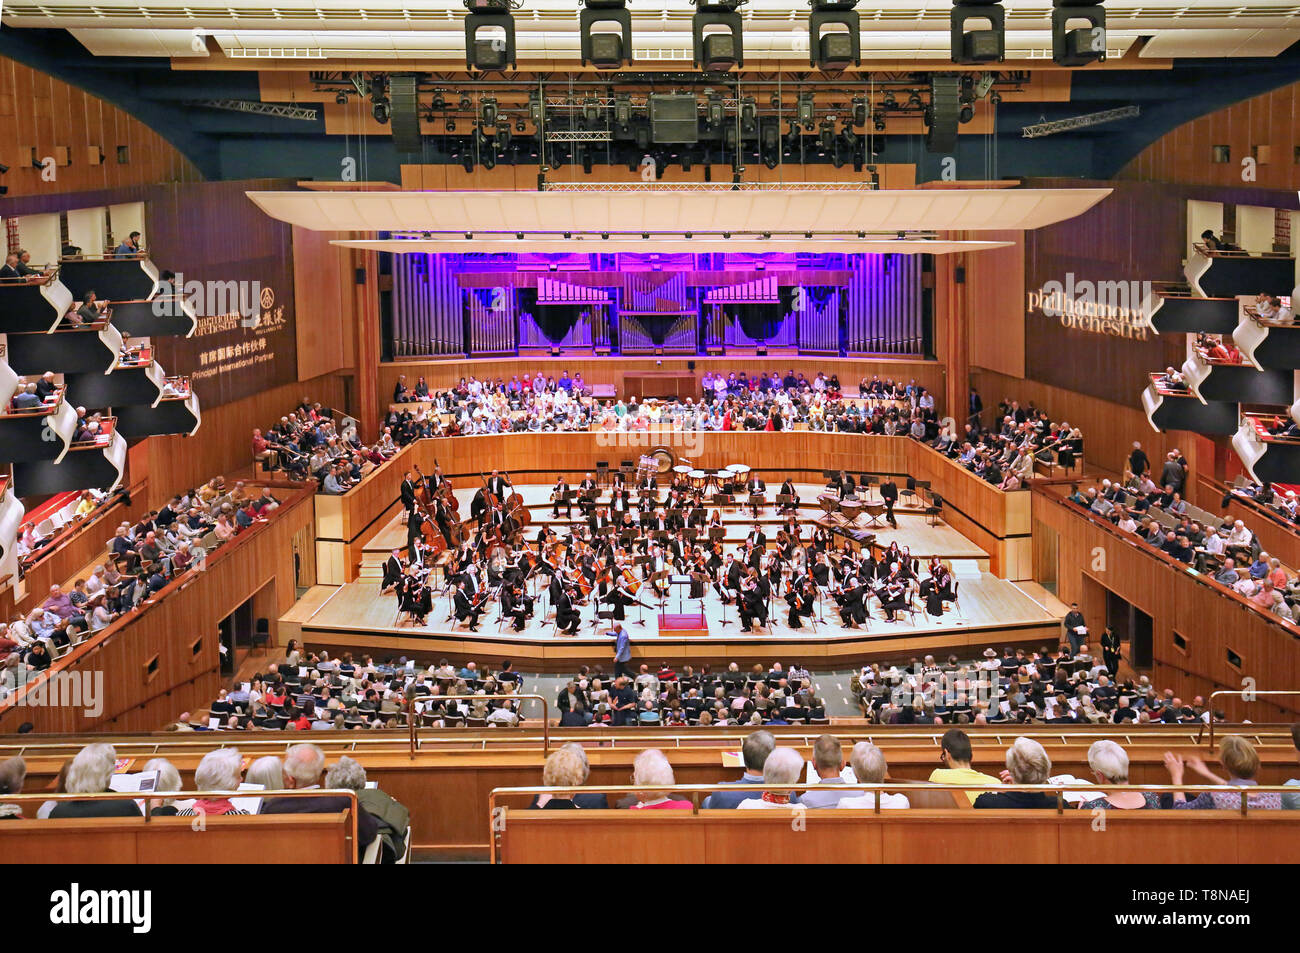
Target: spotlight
x: 587, y: 161
x: 341, y: 98
x: 438, y: 104
x: 986, y: 42
x: 1078, y: 32
x: 487, y: 111
x: 607, y: 49
x: 451, y: 125
x: 834, y: 50
x: 494, y: 50
x: 719, y: 49
x: 806, y: 110
x: 3, y: 168
x: 521, y: 126
x: 748, y: 115
x: 826, y: 136
x: 714, y: 110
x: 381, y: 111
x: 591, y: 112
x: 879, y: 123
x: 464, y: 105
x: 860, y: 111
x: 467, y: 160
x: 503, y: 137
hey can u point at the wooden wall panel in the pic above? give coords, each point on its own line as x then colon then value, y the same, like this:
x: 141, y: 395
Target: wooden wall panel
x: 323, y: 302
x: 1094, y: 557
x: 995, y: 279
x: 524, y: 176
x: 1184, y: 154
x: 168, y: 628
x: 38, y: 110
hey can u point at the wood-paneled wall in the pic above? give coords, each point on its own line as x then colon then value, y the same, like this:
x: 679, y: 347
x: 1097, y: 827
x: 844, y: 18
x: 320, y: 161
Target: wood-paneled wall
x: 37, y: 110
x: 176, y: 635
x: 1266, y: 127
x: 1093, y: 557
x: 995, y: 281
x: 612, y: 371
x: 324, y: 288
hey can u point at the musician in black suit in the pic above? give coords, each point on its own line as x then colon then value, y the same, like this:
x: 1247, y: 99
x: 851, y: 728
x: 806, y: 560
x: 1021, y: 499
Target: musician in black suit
x: 567, y: 616
x: 893, y: 596
x: 466, y: 609
x: 753, y: 605
x: 560, y: 495
x: 801, y: 601
x: 587, y: 485
x: 516, y: 605
x: 407, y: 491
x: 414, y: 599
x: 392, y: 571
x: 853, y: 609
x: 478, y: 507
x: 889, y: 493
x: 757, y: 538
x: 846, y: 486
x: 755, y: 487
x: 498, y: 485
x: 787, y: 489
x: 733, y: 574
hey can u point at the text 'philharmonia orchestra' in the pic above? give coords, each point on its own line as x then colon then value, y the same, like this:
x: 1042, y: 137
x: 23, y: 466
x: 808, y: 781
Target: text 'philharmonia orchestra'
x: 1102, y: 307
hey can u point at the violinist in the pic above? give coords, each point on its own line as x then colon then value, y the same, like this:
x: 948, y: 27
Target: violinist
x: 516, y: 605
x: 567, y: 617
x: 852, y: 601
x: 467, y: 608
x: 801, y: 601
x: 414, y: 598
x: 893, y: 595
x: 753, y: 602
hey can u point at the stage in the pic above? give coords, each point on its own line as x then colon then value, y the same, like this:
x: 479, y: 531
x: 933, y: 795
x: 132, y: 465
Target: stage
x: 991, y: 611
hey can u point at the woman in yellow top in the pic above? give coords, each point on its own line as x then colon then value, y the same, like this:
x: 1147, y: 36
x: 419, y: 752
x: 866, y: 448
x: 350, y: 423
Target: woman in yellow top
x: 955, y: 754
x: 86, y: 505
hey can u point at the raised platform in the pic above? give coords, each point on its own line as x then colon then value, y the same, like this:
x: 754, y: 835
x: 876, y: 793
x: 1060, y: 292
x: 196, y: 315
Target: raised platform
x: 992, y: 612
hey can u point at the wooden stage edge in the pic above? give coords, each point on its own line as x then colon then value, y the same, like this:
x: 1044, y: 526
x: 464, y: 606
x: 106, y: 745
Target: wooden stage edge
x: 883, y: 642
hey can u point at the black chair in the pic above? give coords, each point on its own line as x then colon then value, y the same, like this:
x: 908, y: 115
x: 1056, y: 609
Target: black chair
x: 261, y: 634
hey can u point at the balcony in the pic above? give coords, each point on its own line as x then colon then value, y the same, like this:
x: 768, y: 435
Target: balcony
x: 43, y: 432
x: 11, y: 518
x: 32, y: 305
x: 87, y: 349
x: 1237, y: 383
x: 1170, y: 407
x: 1268, y: 455
x: 161, y: 316
x: 137, y: 380
x: 1267, y: 342
x: 1223, y: 274
x: 1172, y: 312
x: 112, y: 279
x: 176, y: 413
x: 99, y: 463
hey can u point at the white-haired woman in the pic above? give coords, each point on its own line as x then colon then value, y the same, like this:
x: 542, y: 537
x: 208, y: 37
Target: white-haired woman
x: 563, y: 769
x: 870, y: 767
x: 89, y: 773
x: 783, y: 766
x: 169, y: 779
x: 268, y: 772
x: 219, y: 771
x: 651, y: 767
x: 1027, y: 763
x: 1109, y: 763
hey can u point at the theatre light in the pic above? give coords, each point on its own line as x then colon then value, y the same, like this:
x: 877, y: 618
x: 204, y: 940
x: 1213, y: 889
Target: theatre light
x: 840, y: 46
x: 722, y: 48
x: 607, y: 49
x: 490, y: 34
x: 1078, y: 32
x: 978, y: 32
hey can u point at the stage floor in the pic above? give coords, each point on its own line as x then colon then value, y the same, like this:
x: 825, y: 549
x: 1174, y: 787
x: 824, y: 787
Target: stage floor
x: 991, y: 611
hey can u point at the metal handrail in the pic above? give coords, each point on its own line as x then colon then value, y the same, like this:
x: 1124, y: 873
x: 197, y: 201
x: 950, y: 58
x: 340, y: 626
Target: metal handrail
x: 695, y: 790
x: 413, y: 718
x: 1233, y: 691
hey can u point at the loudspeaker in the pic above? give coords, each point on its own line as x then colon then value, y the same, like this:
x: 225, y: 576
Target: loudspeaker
x: 405, y: 111
x: 673, y: 118
x: 690, y: 365
x: 944, y: 113
x: 959, y: 275
x: 359, y: 276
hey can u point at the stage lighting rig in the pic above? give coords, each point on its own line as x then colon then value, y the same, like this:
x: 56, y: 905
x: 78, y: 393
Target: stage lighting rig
x: 487, y: 111
x: 495, y: 50
x: 607, y: 49
x: 1078, y: 32
x: 832, y: 50
x: 978, y: 32
x: 805, y: 113
x: 718, y: 50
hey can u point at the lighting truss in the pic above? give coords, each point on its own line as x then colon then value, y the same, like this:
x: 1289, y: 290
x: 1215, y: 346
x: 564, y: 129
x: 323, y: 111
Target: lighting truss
x: 579, y: 135
x: 279, y: 111
x: 864, y: 186
x: 1038, y: 130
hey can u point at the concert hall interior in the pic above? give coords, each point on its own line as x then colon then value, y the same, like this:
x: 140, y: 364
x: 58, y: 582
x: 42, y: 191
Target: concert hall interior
x: 521, y: 403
